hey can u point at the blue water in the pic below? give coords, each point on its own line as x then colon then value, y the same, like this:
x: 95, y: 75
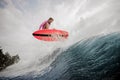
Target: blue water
x: 97, y: 58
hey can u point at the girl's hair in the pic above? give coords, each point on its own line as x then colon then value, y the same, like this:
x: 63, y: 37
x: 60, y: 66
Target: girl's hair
x: 50, y: 18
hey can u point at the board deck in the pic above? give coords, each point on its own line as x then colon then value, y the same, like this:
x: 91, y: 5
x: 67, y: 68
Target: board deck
x: 50, y: 35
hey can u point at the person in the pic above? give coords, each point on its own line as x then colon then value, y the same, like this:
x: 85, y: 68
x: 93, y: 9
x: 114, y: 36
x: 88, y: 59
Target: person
x: 46, y: 24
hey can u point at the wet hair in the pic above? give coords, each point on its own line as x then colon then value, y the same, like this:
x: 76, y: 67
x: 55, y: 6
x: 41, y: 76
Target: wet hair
x: 50, y: 18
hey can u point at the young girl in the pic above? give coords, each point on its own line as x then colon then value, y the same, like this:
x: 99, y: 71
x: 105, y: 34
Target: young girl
x: 46, y: 24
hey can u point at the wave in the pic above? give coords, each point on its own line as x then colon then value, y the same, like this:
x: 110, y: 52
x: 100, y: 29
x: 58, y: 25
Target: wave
x: 97, y: 58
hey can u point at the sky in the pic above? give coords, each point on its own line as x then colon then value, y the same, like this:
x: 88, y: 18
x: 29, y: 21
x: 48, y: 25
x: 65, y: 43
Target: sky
x: 19, y: 19
x: 81, y: 18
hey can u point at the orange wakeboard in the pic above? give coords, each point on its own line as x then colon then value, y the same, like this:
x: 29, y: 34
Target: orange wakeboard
x: 50, y: 35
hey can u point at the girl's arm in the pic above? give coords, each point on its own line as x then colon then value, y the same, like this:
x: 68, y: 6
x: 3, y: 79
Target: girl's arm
x: 46, y: 26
